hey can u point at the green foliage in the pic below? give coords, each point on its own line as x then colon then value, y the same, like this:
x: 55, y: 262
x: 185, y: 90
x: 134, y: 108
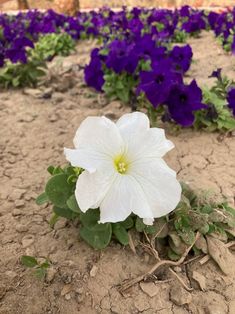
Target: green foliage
x: 119, y: 86
x: 227, y: 44
x: 51, y: 45
x: 94, y: 233
x: 120, y: 233
x: 58, y: 190
x: 99, y: 238
x: 217, y: 116
x: 40, y: 269
x: 20, y: 74
x: 28, y: 74
x: 180, y: 36
x: 29, y: 261
x: 42, y: 199
x: 195, y: 213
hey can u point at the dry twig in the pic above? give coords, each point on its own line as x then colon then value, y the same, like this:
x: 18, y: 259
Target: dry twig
x: 130, y: 283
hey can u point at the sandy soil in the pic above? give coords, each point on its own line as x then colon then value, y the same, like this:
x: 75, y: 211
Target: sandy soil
x: 33, y: 132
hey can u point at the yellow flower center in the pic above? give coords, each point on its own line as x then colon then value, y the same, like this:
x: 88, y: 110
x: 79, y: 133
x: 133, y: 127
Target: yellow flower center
x: 121, y: 164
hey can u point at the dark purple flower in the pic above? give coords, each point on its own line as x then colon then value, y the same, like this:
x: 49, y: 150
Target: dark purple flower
x: 94, y: 76
x: 183, y: 101
x: 194, y: 24
x: 135, y: 25
x: 216, y: 74
x: 146, y: 49
x: 231, y: 100
x: 185, y: 11
x: 181, y: 57
x: 122, y: 57
x: 212, y: 19
x: 2, y: 54
x: 156, y: 84
x: 17, y: 51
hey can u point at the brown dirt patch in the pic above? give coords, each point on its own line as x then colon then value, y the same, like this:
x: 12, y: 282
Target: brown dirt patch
x: 32, y: 136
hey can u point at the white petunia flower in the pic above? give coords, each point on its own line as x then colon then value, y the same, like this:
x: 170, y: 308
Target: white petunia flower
x: 124, y: 169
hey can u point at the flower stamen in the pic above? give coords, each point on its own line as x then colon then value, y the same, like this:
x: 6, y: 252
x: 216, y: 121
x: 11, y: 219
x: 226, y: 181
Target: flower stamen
x: 121, y: 164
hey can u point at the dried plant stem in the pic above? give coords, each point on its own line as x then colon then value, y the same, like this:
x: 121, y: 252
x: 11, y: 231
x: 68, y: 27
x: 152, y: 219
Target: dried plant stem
x: 160, y: 263
x: 192, y: 259
x: 180, y: 280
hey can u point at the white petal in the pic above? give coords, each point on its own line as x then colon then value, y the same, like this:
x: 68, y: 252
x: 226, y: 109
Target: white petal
x: 100, y: 135
x: 132, y: 124
x: 149, y: 144
x: 140, y: 140
x: 148, y: 221
x: 159, y: 183
x: 125, y: 196
x: 92, y: 188
x: 87, y: 159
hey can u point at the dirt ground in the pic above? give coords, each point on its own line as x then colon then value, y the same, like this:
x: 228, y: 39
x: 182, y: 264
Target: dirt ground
x: 35, y: 126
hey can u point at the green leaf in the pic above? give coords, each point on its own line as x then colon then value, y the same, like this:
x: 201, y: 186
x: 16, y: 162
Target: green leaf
x: 57, y: 170
x: 73, y: 205
x: 128, y: 223
x: 40, y: 272
x: 120, y: 233
x: 188, y: 236
x: 90, y: 219
x: 53, y: 220
x: 64, y: 212
x: 172, y: 255
x: 150, y: 229
x: 97, y: 239
x: 29, y: 261
x: 42, y: 198
x: 139, y: 225
x: 204, y: 229
x: 45, y: 265
x: 50, y: 169
x: 58, y: 190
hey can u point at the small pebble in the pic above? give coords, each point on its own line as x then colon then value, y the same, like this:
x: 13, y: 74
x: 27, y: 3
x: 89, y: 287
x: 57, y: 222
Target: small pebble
x: 51, y: 272
x: 19, y: 203
x: 2, y: 228
x: 21, y: 228
x: 16, y: 212
x: 94, y: 271
x: 27, y: 241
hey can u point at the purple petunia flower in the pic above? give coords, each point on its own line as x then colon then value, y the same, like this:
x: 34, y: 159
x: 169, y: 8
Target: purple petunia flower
x: 146, y: 49
x: 195, y: 23
x: 2, y: 54
x: 183, y: 101
x: 156, y: 84
x: 122, y: 57
x: 185, y: 11
x: 17, y: 51
x: 94, y: 76
x: 217, y: 74
x: 231, y: 100
x: 181, y: 57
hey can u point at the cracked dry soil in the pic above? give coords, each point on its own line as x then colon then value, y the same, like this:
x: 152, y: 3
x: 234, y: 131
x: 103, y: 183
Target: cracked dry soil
x: 33, y: 132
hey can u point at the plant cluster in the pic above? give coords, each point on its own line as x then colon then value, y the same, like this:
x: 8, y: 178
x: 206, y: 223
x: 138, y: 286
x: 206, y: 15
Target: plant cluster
x: 138, y: 62
x: 197, y: 212
x: 151, y: 75
x: 220, y: 100
x: 39, y: 268
x: 223, y: 25
x: 18, y: 74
